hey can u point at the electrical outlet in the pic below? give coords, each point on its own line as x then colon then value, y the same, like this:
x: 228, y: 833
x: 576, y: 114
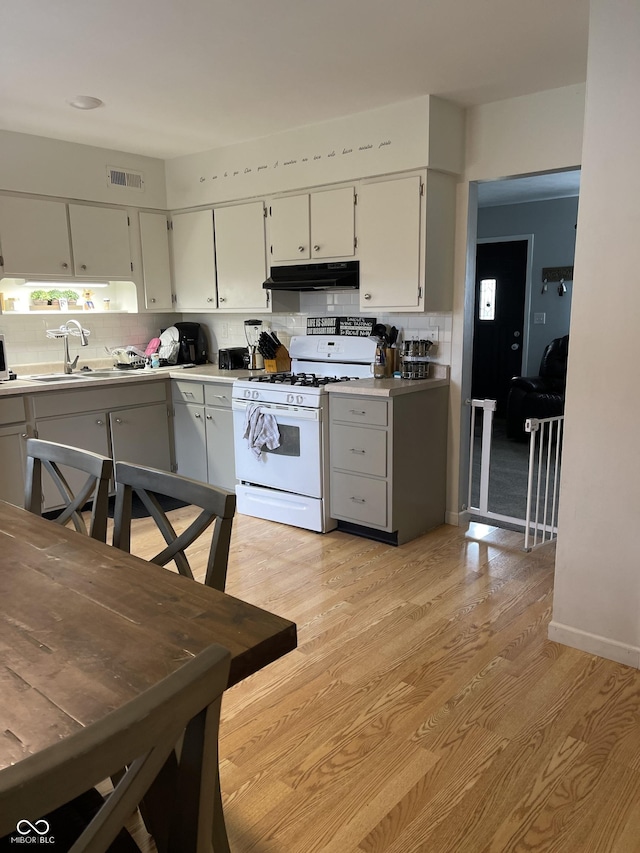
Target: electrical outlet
x: 432, y: 334
x: 539, y: 318
x: 224, y: 331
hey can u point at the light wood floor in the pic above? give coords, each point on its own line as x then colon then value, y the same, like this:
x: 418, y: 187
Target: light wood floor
x: 424, y: 709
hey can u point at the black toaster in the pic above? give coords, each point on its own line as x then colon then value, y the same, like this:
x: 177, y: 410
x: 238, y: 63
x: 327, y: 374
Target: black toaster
x: 233, y: 358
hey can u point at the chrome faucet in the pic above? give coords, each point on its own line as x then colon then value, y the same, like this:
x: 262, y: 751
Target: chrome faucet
x: 68, y: 364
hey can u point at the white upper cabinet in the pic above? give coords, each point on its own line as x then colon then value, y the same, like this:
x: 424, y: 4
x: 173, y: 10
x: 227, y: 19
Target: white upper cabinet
x: 389, y: 243
x: 241, y: 257
x: 156, y: 267
x: 38, y: 240
x: 312, y: 226
x: 333, y: 223
x: 34, y: 236
x: 406, y: 231
x: 100, y: 240
x: 289, y: 228
x: 194, y: 265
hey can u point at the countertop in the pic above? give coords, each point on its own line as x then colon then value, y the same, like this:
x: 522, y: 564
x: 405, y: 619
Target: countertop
x: 393, y: 387
x: 208, y: 372
x: 200, y: 373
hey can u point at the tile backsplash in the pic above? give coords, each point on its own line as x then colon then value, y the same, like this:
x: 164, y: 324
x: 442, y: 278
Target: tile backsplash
x: 27, y: 343
x: 228, y: 330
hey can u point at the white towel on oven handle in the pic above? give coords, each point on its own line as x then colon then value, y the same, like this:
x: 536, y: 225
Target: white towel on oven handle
x: 260, y: 429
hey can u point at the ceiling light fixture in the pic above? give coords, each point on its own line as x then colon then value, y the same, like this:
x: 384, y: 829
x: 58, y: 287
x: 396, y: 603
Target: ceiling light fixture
x: 85, y: 102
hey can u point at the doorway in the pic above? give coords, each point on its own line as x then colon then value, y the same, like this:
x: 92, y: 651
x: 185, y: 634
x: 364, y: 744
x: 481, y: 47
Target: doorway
x: 502, y: 267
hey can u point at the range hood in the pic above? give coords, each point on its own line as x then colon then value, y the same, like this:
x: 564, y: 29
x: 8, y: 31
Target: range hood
x: 332, y: 276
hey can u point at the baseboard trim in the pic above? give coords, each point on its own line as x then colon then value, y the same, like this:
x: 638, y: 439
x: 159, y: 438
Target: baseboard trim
x: 595, y: 644
x: 457, y: 519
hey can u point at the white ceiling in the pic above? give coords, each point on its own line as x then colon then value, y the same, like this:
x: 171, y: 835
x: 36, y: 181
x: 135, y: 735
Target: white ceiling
x: 180, y: 76
x: 529, y: 188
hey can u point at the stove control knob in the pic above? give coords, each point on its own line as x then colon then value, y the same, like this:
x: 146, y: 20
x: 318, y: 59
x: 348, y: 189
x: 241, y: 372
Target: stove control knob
x: 255, y: 395
x: 290, y: 398
x: 246, y: 393
x: 299, y: 399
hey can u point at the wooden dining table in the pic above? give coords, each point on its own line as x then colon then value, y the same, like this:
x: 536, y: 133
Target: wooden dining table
x: 85, y: 627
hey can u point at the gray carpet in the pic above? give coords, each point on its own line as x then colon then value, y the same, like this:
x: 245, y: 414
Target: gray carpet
x: 508, y: 473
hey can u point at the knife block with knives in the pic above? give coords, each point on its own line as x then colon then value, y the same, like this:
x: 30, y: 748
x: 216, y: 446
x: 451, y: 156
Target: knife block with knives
x: 276, y: 355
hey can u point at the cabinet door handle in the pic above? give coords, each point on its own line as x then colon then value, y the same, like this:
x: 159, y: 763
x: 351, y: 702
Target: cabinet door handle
x: 100, y: 423
x: 64, y: 265
x: 197, y: 414
x: 209, y: 298
x: 153, y: 299
x: 209, y: 417
x: 355, y: 450
x: 24, y: 435
x: 356, y: 412
x: 301, y: 248
x: 357, y: 500
x: 316, y: 248
x: 118, y: 420
x: 223, y: 299
x: 367, y: 296
x: 83, y: 266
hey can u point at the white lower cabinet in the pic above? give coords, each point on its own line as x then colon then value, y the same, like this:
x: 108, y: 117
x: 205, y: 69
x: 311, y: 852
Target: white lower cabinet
x: 13, y: 435
x: 130, y: 423
x: 388, y: 463
x: 203, y: 432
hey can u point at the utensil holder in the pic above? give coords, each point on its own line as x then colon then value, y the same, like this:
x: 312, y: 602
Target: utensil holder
x: 280, y: 364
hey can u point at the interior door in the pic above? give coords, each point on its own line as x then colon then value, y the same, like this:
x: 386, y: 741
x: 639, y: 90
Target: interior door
x: 501, y: 278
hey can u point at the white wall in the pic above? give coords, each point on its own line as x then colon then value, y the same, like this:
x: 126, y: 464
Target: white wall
x: 41, y: 166
x: 532, y: 134
x: 597, y: 589
x: 408, y: 135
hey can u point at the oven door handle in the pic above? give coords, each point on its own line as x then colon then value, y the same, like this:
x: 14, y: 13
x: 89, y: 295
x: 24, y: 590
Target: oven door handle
x: 292, y: 412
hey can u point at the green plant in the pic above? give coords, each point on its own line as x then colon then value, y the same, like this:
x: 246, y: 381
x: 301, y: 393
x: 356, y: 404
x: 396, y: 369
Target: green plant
x: 55, y: 294
x: 71, y: 295
x: 37, y: 295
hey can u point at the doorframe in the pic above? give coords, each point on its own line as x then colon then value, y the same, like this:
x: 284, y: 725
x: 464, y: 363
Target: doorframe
x: 527, y: 293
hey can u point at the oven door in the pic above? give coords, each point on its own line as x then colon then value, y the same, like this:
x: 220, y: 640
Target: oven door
x: 295, y: 466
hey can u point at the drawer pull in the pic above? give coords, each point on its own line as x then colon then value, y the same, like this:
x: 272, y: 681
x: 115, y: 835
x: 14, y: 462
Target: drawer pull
x: 220, y: 396
x: 356, y: 412
x: 355, y: 450
x: 357, y: 500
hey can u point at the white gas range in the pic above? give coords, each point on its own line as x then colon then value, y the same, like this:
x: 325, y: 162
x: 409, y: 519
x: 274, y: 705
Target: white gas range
x: 290, y: 483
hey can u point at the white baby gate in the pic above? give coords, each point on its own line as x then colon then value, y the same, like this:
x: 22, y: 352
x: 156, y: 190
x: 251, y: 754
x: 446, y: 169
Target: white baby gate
x: 543, y: 475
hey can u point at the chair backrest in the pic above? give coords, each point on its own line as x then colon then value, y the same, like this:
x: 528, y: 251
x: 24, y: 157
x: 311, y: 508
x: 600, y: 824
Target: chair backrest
x: 218, y: 508
x: 553, y: 364
x: 139, y: 736
x: 99, y: 470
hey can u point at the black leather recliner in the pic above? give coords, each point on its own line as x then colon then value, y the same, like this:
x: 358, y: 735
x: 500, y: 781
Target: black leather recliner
x: 539, y: 396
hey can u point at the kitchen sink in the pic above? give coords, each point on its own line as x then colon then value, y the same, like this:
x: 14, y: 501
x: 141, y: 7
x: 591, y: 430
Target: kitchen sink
x: 54, y: 377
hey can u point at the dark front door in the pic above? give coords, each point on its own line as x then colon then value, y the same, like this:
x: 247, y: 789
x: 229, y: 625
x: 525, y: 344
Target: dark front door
x: 501, y: 277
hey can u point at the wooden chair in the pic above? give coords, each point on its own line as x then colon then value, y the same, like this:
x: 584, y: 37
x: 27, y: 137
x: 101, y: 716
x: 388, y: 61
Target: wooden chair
x: 218, y: 508
x: 139, y: 736
x: 99, y: 469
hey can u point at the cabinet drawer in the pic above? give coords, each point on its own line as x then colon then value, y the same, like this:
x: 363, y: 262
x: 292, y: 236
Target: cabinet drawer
x: 363, y: 451
x: 218, y: 394
x: 359, y: 499
x: 187, y: 392
x: 359, y: 411
x: 12, y: 410
x: 100, y: 399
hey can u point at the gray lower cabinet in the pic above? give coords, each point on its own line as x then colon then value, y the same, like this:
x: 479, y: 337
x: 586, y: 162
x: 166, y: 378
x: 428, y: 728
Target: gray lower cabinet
x: 388, y: 463
x: 130, y: 423
x: 203, y: 432
x: 13, y: 435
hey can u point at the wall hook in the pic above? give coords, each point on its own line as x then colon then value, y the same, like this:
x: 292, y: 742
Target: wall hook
x: 562, y: 288
x: 545, y: 286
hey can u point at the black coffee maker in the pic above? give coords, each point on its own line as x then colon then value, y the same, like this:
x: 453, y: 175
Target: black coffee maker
x: 193, y: 347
